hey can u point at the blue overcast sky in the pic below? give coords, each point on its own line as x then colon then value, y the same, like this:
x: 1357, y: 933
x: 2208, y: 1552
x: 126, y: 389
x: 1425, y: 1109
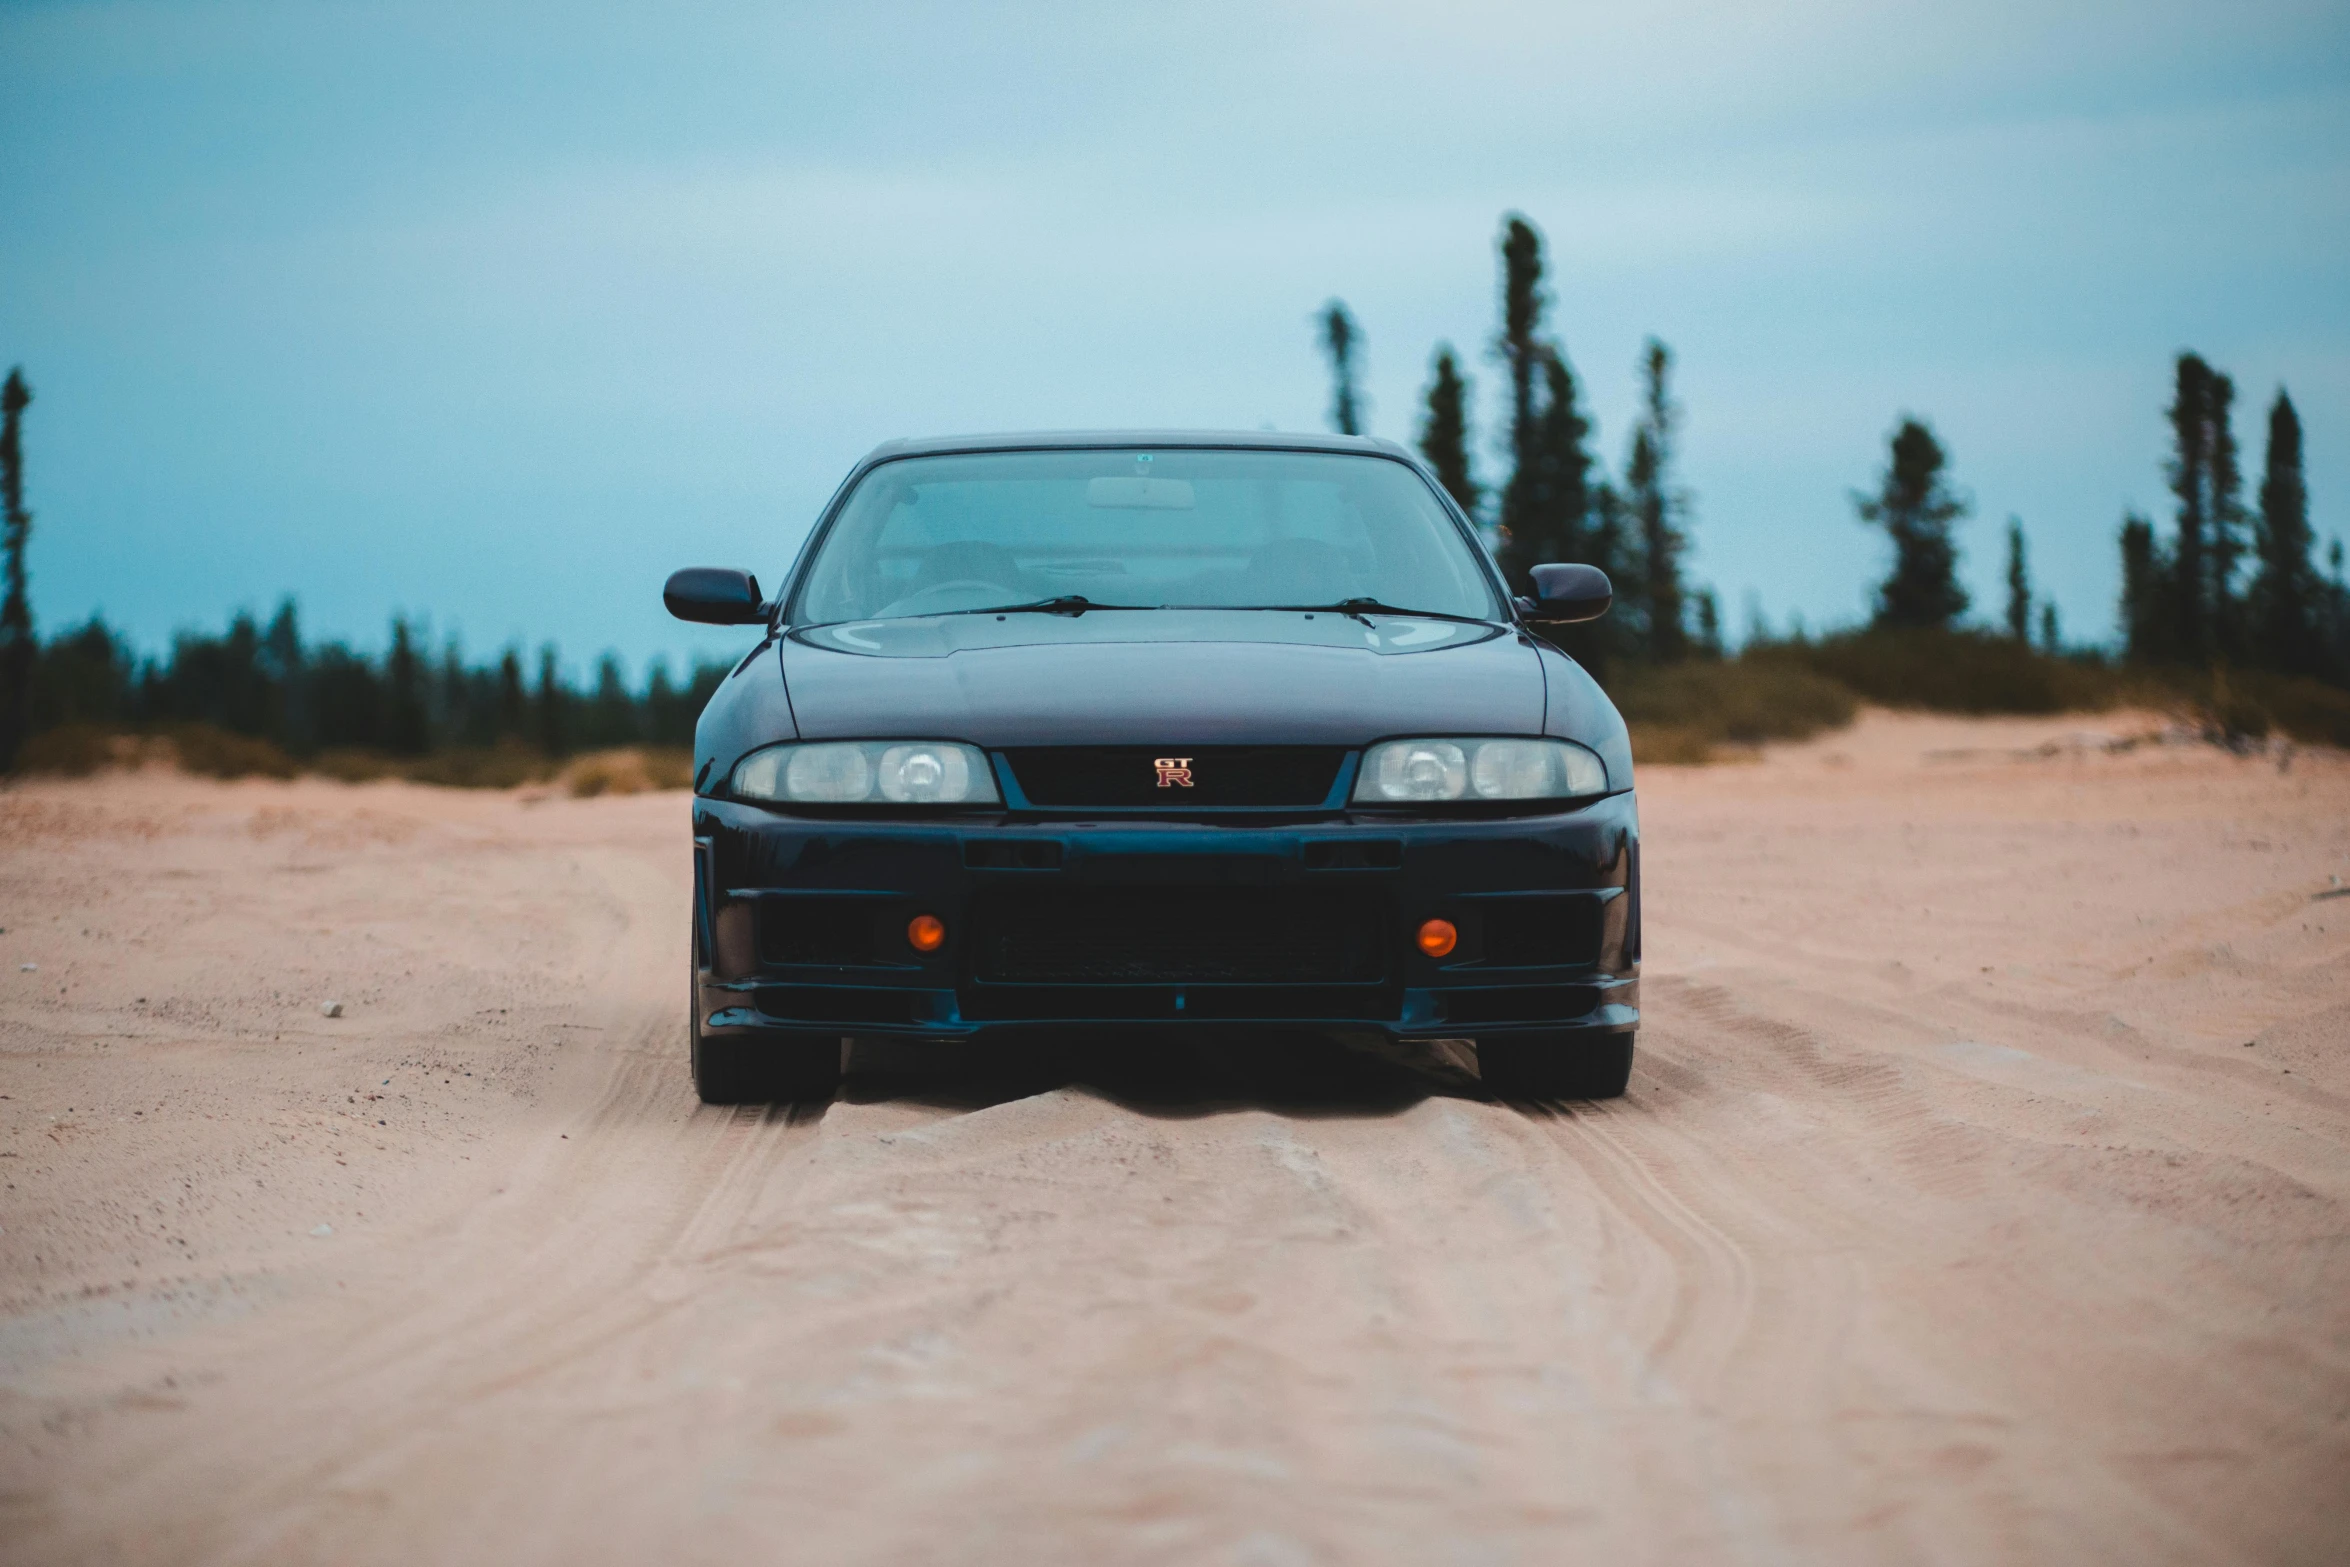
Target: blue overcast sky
x: 495, y: 313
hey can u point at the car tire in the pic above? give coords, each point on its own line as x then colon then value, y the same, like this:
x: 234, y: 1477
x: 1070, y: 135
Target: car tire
x: 763, y: 1069
x: 1568, y: 1064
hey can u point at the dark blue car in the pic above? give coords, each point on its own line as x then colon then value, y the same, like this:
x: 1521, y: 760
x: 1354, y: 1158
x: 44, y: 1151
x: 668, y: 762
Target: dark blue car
x: 1098, y: 732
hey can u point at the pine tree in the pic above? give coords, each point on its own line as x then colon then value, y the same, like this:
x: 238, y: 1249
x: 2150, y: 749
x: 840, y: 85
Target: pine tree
x: 2190, y: 481
x: 2148, y: 614
x: 406, y: 730
x: 666, y: 721
x: 1914, y: 507
x: 2225, y: 518
x: 1444, y: 434
x: 1520, y: 344
x: 1546, y: 505
x: 1656, y: 582
x: 452, y: 699
x: 2284, y: 596
x: 2019, y: 584
x: 553, y: 702
x: 1340, y: 340
x: 1709, y: 622
x: 513, y: 707
x: 2335, y: 657
x: 2050, y: 641
x: 613, y: 720
x: 1549, y: 496
x: 18, y: 649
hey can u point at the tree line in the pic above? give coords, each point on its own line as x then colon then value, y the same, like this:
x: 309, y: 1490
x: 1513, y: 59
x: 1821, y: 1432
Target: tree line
x: 2233, y: 585
x: 267, y: 683
x: 1557, y: 502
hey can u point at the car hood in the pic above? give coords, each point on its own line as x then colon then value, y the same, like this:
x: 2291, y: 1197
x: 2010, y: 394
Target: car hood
x: 1151, y: 677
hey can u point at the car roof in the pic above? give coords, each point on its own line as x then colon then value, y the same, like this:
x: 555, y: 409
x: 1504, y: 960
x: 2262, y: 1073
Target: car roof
x: 1157, y: 440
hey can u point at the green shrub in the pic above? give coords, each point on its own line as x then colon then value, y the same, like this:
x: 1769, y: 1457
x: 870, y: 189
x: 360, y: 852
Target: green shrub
x: 355, y: 764
x: 630, y: 770
x: 213, y: 752
x: 2308, y: 710
x: 1681, y: 711
x: 2247, y: 704
x: 507, y: 765
x: 69, y: 750
x: 1950, y: 671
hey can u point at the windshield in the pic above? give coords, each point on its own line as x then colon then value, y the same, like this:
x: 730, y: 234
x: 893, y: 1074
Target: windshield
x: 1143, y: 529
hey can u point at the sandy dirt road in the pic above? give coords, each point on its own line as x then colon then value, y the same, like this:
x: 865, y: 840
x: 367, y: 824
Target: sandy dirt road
x: 1982, y: 1194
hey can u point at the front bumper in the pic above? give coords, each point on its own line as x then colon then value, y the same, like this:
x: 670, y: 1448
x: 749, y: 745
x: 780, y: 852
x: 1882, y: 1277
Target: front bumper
x: 759, y: 872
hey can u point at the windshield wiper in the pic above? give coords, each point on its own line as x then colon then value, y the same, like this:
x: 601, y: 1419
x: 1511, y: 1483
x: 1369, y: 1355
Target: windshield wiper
x: 1363, y: 608
x: 1066, y: 604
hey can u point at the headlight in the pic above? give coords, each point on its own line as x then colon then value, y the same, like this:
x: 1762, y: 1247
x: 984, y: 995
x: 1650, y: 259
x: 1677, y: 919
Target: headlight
x: 1401, y: 771
x: 867, y: 772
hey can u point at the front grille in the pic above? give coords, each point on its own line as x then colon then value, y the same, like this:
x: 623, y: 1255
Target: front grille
x: 1177, y: 936
x: 1292, y: 777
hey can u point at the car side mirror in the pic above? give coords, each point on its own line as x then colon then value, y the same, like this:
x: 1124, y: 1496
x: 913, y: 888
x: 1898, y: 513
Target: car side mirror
x: 714, y: 596
x: 1568, y: 593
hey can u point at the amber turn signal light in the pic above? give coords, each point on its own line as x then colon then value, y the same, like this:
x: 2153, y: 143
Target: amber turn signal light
x: 926, y: 933
x: 1437, y: 937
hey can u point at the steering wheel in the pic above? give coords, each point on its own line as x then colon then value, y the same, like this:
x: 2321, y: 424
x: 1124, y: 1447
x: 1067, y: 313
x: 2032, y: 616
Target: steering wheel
x: 907, y: 605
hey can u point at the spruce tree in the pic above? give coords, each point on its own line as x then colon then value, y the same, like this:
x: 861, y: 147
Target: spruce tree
x: 2334, y: 660
x: 513, y: 706
x: 2190, y: 481
x: 1655, y: 581
x: 1340, y: 340
x: 2148, y: 614
x: 1444, y: 433
x: 406, y: 729
x: 2225, y: 518
x: 2019, y: 584
x: 452, y: 709
x: 1709, y: 622
x: 614, y: 718
x: 1550, y: 494
x: 17, y: 646
x: 666, y: 721
x: 2284, y: 595
x: 281, y: 657
x: 1915, y: 508
x: 2050, y: 640
x: 554, y: 719
x: 1527, y: 358
x: 1546, y: 507
x: 1520, y: 344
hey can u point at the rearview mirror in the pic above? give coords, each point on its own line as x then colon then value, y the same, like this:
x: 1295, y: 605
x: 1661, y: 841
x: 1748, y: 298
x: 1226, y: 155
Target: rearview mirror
x: 714, y: 596
x: 1569, y: 593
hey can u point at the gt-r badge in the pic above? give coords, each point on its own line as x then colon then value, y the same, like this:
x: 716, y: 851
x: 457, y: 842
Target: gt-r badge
x: 1174, y: 770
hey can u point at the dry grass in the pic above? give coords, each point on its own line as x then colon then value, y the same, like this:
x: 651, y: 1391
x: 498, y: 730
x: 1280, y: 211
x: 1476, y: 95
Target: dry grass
x: 78, y: 750
x: 1688, y: 712
x: 1671, y: 745
x: 629, y: 770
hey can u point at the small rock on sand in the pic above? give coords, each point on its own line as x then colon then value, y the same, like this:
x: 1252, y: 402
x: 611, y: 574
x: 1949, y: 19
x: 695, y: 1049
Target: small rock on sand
x: 330, y: 1009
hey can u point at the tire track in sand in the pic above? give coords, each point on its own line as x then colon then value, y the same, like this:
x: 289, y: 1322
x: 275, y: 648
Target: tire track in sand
x: 569, y: 1272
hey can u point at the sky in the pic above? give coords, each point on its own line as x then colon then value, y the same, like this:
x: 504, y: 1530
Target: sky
x: 492, y: 315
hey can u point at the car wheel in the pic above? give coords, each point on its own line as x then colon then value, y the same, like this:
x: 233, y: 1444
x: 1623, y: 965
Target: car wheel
x: 763, y: 1069
x: 1569, y: 1064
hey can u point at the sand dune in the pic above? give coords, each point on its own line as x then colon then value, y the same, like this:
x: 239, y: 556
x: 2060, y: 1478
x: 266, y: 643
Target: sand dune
x: 1983, y: 1193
